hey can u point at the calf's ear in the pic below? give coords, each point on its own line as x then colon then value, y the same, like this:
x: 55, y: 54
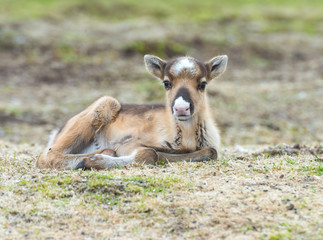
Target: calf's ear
x: 216, y: 66
x: 155, y: 66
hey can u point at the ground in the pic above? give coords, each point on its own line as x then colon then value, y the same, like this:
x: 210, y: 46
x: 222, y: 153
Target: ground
x: 273, y: 194
x: 57, y: 58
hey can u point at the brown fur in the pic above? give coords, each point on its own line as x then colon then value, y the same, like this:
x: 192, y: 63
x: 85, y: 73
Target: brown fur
x: 108, y: 134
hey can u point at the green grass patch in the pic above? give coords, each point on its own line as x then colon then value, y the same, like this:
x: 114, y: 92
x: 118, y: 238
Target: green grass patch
x: 94, y: 187
x: 295, y: 164
x: 11, y: 111
x: 282, y: 15
x: 280, y: 236
x: 167, y: 181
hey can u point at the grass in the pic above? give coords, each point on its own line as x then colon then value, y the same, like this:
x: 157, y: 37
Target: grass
x: 185, y: 200
x: 277, y: 15
x: 95, y: 187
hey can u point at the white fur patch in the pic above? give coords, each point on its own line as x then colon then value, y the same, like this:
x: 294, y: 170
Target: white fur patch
x: 181, y: 103
x: 51, y: 138
x: 184, y: 63
x: 100, y: 142
x: 112, y: 162
x: 108, y: 161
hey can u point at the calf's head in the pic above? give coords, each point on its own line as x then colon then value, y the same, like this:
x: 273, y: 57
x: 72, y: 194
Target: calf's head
x: 185, y: 80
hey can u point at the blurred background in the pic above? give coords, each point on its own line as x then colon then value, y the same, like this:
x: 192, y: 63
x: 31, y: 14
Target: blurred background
x: 58, y: 56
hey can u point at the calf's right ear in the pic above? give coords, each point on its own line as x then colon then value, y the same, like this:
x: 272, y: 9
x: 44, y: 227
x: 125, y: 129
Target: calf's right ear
x: 155, y: 66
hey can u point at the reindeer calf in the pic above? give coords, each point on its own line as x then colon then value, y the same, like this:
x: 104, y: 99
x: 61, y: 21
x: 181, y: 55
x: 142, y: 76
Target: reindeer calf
x: 108, y: 134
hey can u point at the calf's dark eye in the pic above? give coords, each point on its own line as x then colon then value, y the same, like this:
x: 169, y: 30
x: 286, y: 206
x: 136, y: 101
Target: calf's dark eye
x: 167, y: 84
x: 202, y: 85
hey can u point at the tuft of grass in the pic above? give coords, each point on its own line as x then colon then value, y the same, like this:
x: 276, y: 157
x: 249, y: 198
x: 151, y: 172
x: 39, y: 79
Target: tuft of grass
x: 280, y: 236
x: 12, y: 111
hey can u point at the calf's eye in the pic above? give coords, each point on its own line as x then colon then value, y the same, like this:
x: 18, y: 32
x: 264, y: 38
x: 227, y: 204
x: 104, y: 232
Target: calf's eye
x: 167, y: 84
x: 202, y: 86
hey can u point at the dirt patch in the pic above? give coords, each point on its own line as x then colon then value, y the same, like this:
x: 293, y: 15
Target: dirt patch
x: 293, y: 151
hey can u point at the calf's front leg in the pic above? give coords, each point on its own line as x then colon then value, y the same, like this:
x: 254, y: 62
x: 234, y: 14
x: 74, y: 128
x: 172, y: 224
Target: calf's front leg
x: 150, y: 155
x: 197, y: 156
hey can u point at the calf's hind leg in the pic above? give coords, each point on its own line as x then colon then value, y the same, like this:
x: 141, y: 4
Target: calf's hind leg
x: 77, y: 134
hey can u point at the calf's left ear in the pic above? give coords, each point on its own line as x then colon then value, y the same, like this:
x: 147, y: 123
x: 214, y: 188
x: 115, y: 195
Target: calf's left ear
x: 216, y: 66
x: 155, y: 66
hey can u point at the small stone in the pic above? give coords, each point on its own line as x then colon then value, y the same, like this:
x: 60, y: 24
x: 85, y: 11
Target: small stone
x: 290, y: 207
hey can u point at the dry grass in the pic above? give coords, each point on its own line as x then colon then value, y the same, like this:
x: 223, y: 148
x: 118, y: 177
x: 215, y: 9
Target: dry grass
x: 273, y: 195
